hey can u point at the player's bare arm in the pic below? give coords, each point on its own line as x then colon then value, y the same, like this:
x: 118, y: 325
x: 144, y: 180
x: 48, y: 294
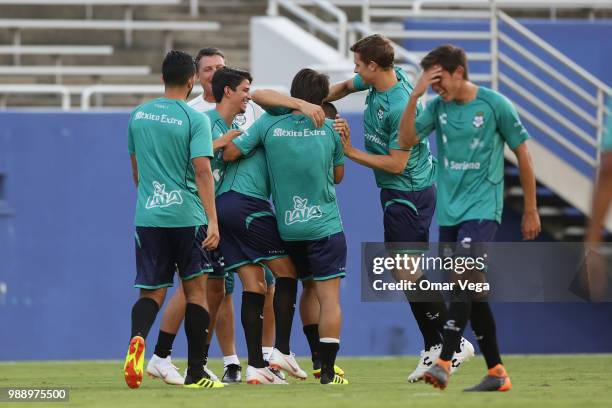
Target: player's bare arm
x: 340, y: 90
x: 602, y: 198
x: 206, y: 191
x: 530, y: 225
x: 231, y: 152
x: 134, y: 169
x: 270, y: 98
x: 407, y: 131
x: 222, y: 142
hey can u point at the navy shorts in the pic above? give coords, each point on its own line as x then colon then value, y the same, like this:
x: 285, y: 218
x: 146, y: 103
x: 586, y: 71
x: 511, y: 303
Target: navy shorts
x: 248, y: 229
x: 160, y: 252
x: 319, y: 259
x: 468, y: 237
x: 408, y: 214
x: 231, y: 276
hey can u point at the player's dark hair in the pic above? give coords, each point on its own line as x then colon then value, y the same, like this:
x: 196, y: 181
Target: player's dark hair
x: 330, y: 110
x: 227, y: 77
x: 375, y: 48
x: 448, y: 57
x: 178, y: 68
x: 207, y: 52
x: 310, y: 86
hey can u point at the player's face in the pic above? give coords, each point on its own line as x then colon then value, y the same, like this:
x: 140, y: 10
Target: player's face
x: 361, y: 68
x: 449, y: 84
x: 207, y: 68
x: 241, y: 96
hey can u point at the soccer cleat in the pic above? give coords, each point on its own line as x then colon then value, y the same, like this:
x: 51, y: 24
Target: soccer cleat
x: 496, y: 380
x: 164, y: 369
x: 262, y: 376
x: 134, y: 362
x: 278, y: 373
x: 428, y: 358
x: 201, y: 383
x: 232, y: 374
x: 316, y: 370
x: 437, y: 375
x: 337, y: 380
x: 208, y: 373
x: 280, y: 361
x: 466, y: 352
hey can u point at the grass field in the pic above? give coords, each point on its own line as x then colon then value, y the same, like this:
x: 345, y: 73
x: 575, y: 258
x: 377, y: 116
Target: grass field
x: 552, y: 380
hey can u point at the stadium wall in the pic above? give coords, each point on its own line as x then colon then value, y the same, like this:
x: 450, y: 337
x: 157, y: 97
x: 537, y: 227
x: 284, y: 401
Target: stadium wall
x: 67, y: 258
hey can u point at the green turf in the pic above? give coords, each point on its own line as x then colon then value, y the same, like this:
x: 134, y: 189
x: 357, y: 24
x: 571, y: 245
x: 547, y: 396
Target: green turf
x: 556, y: 381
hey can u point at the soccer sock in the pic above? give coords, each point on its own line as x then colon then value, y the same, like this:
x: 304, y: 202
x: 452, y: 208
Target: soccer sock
x: 430, y: 312
x: 483, y: 324
x: 329, y: 349
x: 144, y: 312
x: 197, y: 320
x: 205, y: 349
x: 163, y: 348
x: 252, y: 323
x: 458, y: 316
x: 233, y: 359
x: 312, y: 335
x: 284, y: 309
x: 267, y: 352
x: 431, y: 337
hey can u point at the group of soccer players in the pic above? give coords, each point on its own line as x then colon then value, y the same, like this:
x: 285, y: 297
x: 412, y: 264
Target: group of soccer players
x: 206, y: 171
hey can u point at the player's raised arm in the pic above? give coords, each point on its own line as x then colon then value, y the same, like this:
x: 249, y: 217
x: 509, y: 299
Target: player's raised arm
x: 340, y: 90
x: 269, y: 98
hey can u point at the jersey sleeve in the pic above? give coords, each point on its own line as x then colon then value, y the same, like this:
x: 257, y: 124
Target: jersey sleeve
x: 201, y: 137
x: 426, y: 119
x: 606, y: 144
x: 509, y: 124
x: 248, y: 141
x: 358, y: 83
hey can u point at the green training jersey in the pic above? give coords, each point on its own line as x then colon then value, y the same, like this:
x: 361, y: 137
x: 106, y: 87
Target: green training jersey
x: 470, y: 139
x: 381, y: 118
x: 248, y: 175
x: 218, y: 129
x: 301, y: 161
x: 607, y: 132
x: 165, y: 135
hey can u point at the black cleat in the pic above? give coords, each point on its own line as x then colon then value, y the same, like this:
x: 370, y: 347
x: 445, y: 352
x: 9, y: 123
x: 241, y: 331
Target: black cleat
x: 437, y: 376
x: 491, y: 383
x: 232, y: 374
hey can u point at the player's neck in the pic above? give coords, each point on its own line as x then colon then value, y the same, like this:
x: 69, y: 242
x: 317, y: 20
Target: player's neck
x: 385, y: 80
x: 176, y: 93
x: 467, y: 92
x: 227, y: 112
x: 208, y: 97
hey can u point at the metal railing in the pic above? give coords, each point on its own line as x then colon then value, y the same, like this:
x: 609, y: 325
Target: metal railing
x: 337, y: 33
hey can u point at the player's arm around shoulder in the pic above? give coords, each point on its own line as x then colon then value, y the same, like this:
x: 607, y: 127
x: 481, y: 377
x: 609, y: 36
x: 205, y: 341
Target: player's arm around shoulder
x: 246, y: 142
x: 271, y: 100
x: 341, y: 89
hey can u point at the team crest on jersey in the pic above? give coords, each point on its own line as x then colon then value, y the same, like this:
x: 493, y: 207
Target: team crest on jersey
x: 161, y: 199
x: 478, y: 120
x: 380, y: 113
x: 240, y: 119
x: 301, y: 211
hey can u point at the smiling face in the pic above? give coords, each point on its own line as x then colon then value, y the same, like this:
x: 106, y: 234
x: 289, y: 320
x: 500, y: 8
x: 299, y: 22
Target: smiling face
x: 207, y: 67
x: 240, y: 97
x: 365, y: 70
x: 449, y: 85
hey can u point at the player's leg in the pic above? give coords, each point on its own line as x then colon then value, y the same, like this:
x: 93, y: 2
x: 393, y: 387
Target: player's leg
x: 226, y: 334
x: 309, y: 313
x: 154, y: 273
x: 269, y: 327
x: 215, y: 293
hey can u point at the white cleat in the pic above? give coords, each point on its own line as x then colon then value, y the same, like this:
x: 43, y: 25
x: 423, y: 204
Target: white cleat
x: 262, y: 376
x: 286, y: 362
x: 428, y: 358
x: 163, y: 369
x: 467, y: 352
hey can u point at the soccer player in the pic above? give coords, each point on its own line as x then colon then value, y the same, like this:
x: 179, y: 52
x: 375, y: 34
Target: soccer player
x: 170, y: 147
x: 472, y: 124
x: 405, y: 176
x: 304, y: 162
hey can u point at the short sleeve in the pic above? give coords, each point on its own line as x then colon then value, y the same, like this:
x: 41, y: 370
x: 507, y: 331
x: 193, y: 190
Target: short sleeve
x: 358, y: 83
x: 606, y: 144
x: 509, y: 124
x: 426, y: 120
x: 248, y: 141
x: 201, y: 136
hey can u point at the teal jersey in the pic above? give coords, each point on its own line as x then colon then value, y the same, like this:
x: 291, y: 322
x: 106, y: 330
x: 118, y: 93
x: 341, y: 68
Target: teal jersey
x: 165, y: 135
x: 301, y: 161
x: 470, y: 139
x: 248, y: 175
x: 607, y: 132
x: 218, y: 129
x: 381, y: 117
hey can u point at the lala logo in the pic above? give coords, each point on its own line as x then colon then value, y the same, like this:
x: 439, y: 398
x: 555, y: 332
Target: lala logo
x: 161, y: 199
x: 301, y: 212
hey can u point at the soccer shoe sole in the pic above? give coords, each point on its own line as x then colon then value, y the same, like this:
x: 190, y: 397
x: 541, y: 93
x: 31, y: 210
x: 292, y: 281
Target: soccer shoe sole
x: 435, y: 381
x: 491, y: 384
x: 134, y: 362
